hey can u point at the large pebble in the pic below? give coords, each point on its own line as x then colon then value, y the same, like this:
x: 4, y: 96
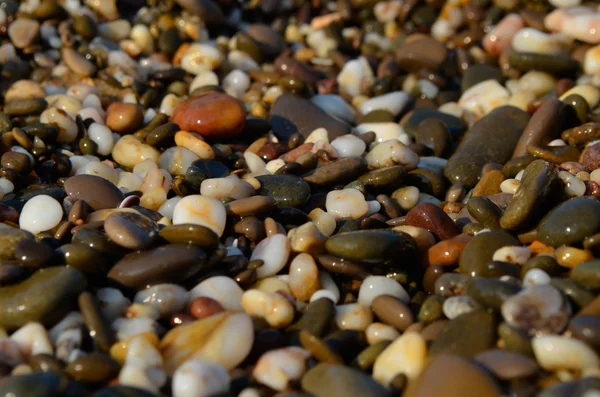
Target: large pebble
x: 197, y: 378
x: 213, y: 115
x: 97, y: 192
x: 222, y: 289
x: 225, y: 338
x: 406, y: 355
x: 570, y: 222
x: 165, y: 264
x: 491, y: 140
x: 466, y: 335
x: 370, y: 245
x: 326, y: 380
x: 43, y: 297
x: 129, y: 151
x: 479, y: 251
x: 291, y: 114
x: 375, y: 286
x: 555, y: 352
x: 286, y: 190
x: 131, y: 230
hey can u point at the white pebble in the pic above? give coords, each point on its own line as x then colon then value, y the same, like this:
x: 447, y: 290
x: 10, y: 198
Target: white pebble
x: 512, y: 254
x: 393, y: 102
x: 40, y: 213
x: 555, y: 353
x: 349, y: 145
x: 353, y: 316
x: 374, y: 286
x: 127, y: 327
x: 533, y: 40
x: 574, y: 187
x: 274, y: 252
x: 100, y: 169
x: 355, y: 77
x: 222, y: 289
x: 510, y: 186
x: 200, y: 57
x: 536, y: 277
x: 32, y: 339
x: 168, y: 207
x: 303, y: 277
x: 378, y: 332
x: 112, y: 302
x: 329, y: 288
x: 236, y: 83
x: 335, y: 106
x: 384, y: 131
x: 277, y: 368
x: 168, y: 299
x: 346, y: 203
x: 230, y: 186
x: 591, y: 61
x: 392, y: 152
x: 143, y: 366
x: 130, y: 182
x: 200, y: 210
x: 203, y: 79
x: 273, y: 307
x: 196, y: 378
x: 406, y: 355
x: 455, y: 306
x: 177, y: 160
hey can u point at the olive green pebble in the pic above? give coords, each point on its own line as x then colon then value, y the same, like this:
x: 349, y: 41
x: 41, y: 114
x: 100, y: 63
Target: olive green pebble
x: 432, y: 309
x: 93, y: 368
x: 466, y: 335
x: 191, y: 234
x: 553, y: 64
x: 587, y: 274
x: 515, y: 340
x: 480, y: 249
x: 366, y: 358
x: 570, y: 222
x: 485, y: 212
x: 577, y: 294
x: 491, y: 293
x: 370, y: 245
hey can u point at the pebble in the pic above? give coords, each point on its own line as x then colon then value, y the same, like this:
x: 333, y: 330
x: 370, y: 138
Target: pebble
x: 220, y: 288
x: 224, y: 338
x: 131, y: 230
x: 124, y: 118
x: 557, y: 227
x: 200, y: 378
x: 167, y: 298
x: 97, y: 192
x: 577, y: 22
x: 484, y: 97
x: 375, y: 286
x: 277, y: 368
x: 393, y: 102
x: 335, y: 106
x: 274, y: 251
x: 40, y: 213
x: 200, y: 210
x: 23, y: 32
x: 325, y: 380
x: 406, y: 355
x: 555, y: 352
x: 129, y: 151
x: 199, y: 115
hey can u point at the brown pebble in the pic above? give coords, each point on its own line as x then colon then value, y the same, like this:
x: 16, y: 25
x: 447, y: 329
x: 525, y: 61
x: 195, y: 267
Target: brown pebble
x: 489, y: 184
x: 392, y: 311
x: 447, y: 252
x: 591, y: 157
x: 204, y: 307
x: 433, y: 218
x: 213, y: 115
x: 124, y: 118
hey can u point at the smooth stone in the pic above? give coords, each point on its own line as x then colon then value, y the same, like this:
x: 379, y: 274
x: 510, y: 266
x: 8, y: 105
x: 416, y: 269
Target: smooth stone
x: 326, y: 380
x: 131, y: 230
x: 553, y: 64
x: 207, y: 10
x: 480, y: 249
x: 337, y: 172
x: 433, y: 218
x: 34, y: 255
x: 269, y: 41
x: 23, y: 32
x: 570, y: 222
x: 124, y: 118
x: 492, y: 139
x: 93, y: 368
x: 466, y: 335
x: 543, y: 127
x: 291, y: 114
x: 507, y: 365
x: 316, y: 319
x: 452, y: 376
x: 43, y: 297
x: 393, y: 102
x: 485, y: 212
x: 95, y: 321
x: 170, y: 263
x: 225, y: 338
x: 393, y: 311
x: 421, y: 53
x: 286, y: 190
x: 587, y: 274
x: 477, y: 73
x: 537, y: 186
x: 491, y: 292
x: 587, y: 329
x: 187, y: 233
x: 370, y: 245
x: 43, y: 384
x: 213, y: 115
x: 455, y: 125
x: 9, y: 239
x: 97, y: 192
x: 78, y: 63
x: 335, y: 106
x: 433, y: 134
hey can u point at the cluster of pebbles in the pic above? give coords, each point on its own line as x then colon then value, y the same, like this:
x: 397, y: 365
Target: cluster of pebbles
x: 350, y: 198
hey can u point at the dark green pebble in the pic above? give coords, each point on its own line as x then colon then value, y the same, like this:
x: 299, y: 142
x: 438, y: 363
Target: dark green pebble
x: 378, y: 116
x: 574, y: 291
x: 384, y: 178
x: 191, y: 234
x: 587, y: 274
x: 553, y: 64
x: 480, y: 249
x: 477, y: 73
x: 45, y: 363
x: 491, y: 293
x: 546, y: 263
x: 466, y: 335
x: 316, y: 319
x: 23, y: 107
x: 432, y: 309
x: 515, y: 165
x: 85, y: 259
x: 485, y: 212
x: 516, y: 340
x: 570, y: 222
x: 93, y: 368
x: 492, y: 139
x: 579, y: 106
x: 337, y: 172
x: 32, y: 254
x: 453, y: 124
x: 326, y: 380
x: 163, y: 135
x: 433, y: 134
x: 286, y: 190
x: 370, y: 245
x: 366, y: 358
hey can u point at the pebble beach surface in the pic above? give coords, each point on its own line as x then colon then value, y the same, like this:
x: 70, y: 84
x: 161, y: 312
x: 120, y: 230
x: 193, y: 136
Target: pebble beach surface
x: 329, y: 198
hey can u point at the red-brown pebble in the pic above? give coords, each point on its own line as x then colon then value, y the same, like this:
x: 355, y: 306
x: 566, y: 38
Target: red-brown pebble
x: 433, y: 218
x: 205, y: 307
x: 293, y: 154
x: 591, y: 157
x: 124, y: 118
x: 447, y: 253
x: 214, y: 115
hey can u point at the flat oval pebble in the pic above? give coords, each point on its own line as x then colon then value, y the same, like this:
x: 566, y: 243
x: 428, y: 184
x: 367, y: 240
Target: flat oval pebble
x: 570, y: 222
x: 213, y: 115
x: 131, y: 230
x: 94, y: 190
x: 165, y: 264
x: 370, y: 245
x: 286, y: 190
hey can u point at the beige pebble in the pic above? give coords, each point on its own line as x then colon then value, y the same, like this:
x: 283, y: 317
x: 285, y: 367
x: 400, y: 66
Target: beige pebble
x: 273, y: 307
x: 406, y: 355
x: 194, y: 143
x: 129, y: 151
x: 303, y: 277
